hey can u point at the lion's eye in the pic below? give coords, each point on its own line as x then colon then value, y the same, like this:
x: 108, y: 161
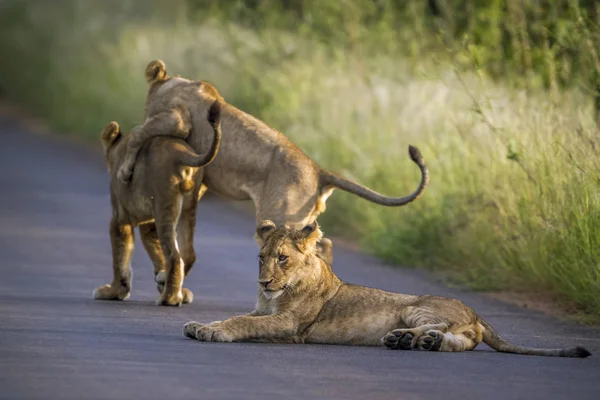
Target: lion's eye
x: 283, y: 258
x: 261, y: 259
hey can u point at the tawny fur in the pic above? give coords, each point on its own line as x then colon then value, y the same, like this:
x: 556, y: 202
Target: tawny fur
x: 256, y: 162
x: 300, y: 300
x: 162, y: 200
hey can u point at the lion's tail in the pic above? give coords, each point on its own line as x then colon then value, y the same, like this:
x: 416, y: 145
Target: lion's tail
x: 496, y: 342
x: 329, y: 179
x: 156, y: 71
x: 192, y: 159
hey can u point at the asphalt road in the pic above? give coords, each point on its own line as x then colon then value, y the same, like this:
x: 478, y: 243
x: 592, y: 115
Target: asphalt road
x: 58, y: 343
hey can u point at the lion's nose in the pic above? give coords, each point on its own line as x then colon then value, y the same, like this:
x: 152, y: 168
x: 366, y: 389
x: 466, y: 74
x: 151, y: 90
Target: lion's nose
x: 265, y: 283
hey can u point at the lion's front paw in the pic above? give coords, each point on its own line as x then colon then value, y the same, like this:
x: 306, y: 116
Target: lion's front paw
x: 398, y: 339
x: 190, y: 329
x: 214, y: 332
x: 124, y: 173
x: 108, y: 292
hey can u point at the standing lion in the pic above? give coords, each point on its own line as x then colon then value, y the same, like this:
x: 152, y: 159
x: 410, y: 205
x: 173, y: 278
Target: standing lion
x: 162, y: 201
x: 256, y: 162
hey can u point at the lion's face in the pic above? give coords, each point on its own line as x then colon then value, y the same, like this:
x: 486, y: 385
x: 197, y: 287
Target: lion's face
x: 283, y: 256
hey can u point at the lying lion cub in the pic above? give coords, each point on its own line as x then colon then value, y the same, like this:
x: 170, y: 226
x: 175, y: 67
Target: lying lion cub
x: 300, y: 300
x: 163, y: 197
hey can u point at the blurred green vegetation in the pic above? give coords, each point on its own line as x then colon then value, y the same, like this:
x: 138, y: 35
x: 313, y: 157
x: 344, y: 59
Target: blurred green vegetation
x: 542, y: 42
x: 501, y: 96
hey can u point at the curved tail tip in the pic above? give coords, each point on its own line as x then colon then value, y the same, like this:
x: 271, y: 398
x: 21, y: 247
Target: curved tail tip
x: 415, y: 155
x: 579, y: 351
x: 156, y: 71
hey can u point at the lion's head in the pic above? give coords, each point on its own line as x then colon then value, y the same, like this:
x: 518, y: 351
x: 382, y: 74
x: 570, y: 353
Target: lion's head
x: 286, y: 256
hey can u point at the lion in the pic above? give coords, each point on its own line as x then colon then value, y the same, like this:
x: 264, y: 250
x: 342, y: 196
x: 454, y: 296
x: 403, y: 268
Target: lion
x: 301, y: 300
x: 162, y: 201
x: 256, y: 162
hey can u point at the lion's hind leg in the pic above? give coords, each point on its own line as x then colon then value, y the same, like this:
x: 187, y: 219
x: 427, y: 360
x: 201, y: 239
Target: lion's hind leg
x: 167, y: 211
x: 149, y: 236
x: 122, y: 240
x: 424, y: 336
x: 153, y: 247
x: 431, y: 340
x: 456, y: 339
x: 436, y: 324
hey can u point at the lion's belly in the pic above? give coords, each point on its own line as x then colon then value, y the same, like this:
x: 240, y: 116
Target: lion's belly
x: 358, y: 315
x: 229, y: 175
x: 220, y: 182
x: 366, y: 330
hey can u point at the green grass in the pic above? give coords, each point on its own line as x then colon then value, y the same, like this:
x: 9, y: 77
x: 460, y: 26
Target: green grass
x: 514, y: 198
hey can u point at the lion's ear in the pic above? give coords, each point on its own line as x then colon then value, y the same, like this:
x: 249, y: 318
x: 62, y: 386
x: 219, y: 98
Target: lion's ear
x: 156, y: 71
x: 264, y: 229
x: 311, y: 233
x: 110, y: 133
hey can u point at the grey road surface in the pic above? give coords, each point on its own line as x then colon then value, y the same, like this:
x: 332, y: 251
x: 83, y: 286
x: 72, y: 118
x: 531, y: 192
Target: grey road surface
x: 58, y: 343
